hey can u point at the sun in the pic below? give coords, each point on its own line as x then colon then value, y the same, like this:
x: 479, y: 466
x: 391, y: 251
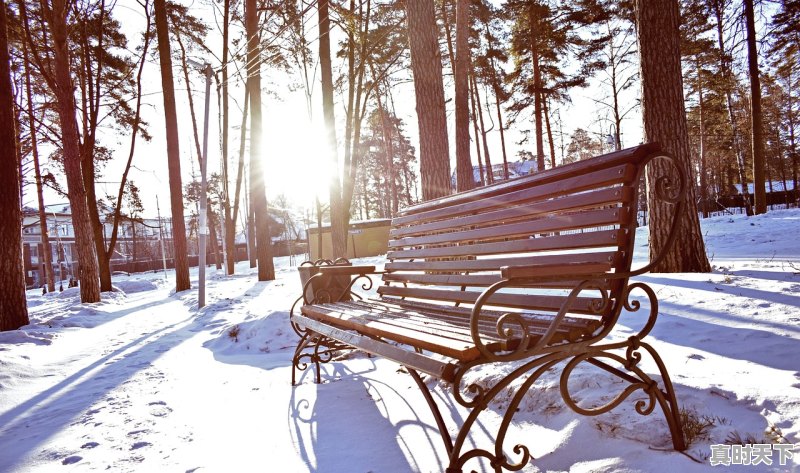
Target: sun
x: 296, y: 162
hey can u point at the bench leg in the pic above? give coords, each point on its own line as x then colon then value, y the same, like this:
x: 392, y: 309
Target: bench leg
x: 663, y: 397
x: 313, y: 349
x: 437, y: 415
x: 479, y: 399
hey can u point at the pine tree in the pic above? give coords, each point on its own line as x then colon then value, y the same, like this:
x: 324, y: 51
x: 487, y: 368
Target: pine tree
x: 665, y: 122
x: 173, y: 149
x: 426, y: 64
x: 13, y: 306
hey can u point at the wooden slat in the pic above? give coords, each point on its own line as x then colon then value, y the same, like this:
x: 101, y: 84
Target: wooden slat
x: 595, y: 239
x: 436, y: 343
x: 545, y: 270
x: 631, y: 155
x: 476, y: 280
x: 419, y: 362
x: 489, y: 264
x: 449, y: 323
x: 488, y: 316
x: 520, y: 301
x: 558, y: 223
x: 529, y: 210
x: 598, y: 179
x: 455, y: 322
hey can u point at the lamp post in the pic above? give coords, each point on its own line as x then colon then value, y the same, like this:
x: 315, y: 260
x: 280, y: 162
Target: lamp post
x: 203, y: 218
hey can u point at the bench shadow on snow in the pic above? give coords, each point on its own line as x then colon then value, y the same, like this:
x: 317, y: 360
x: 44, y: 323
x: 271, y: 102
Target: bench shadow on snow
x: 342, y: 424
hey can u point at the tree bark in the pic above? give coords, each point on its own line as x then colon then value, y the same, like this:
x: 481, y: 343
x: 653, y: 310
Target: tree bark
x: 756, y: 116
x: 173, y: 149
x: 665, y: 122
x: 266, y: 269
x: 13, y: 306
x: 56, y: 17
x: 426, y: 65
x: 464, y: 178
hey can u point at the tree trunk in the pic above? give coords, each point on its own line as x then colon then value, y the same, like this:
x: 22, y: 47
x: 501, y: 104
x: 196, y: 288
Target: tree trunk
x: 230, y: 220
x: 728, y: 79
x: 549, y: 129
x: 336, y: 209
x: 756, y: 116
x: 240, y: 176
x: 173, y: 149
x: 84, y: 244
x: 112, y: 242
x: 665, y: 122
x: 703, y: 169
x: 496, y: 89
x: 464, y: 178
x: 46, y: 254
x: 389, y: 147
x: 266, y: 269
x: 13, y: 306
x: 537, y: 90
x: 426, y: 64
x: 212, y: 237
x: 486, y: 176
x: 479, y: 111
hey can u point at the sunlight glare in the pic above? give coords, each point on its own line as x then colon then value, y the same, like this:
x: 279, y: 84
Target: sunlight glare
x: 296, y: 163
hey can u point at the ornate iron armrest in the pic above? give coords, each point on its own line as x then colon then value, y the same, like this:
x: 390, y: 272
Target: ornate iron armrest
x: 590, y: 276
x: 334, y: 283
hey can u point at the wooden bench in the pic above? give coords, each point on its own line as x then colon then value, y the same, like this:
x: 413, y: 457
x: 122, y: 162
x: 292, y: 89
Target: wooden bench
x: 532, y: 271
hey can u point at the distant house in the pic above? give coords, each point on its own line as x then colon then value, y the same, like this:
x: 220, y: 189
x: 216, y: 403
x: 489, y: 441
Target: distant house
x: 771, y: 186
x: 515, y: 169
x: 136, y: 239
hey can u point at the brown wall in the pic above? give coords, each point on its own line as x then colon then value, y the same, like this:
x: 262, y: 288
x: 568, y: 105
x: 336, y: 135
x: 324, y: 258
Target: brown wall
x: 369, y: 238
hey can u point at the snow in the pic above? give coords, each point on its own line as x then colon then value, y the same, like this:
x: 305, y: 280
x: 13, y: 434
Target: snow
x: 144, y: 381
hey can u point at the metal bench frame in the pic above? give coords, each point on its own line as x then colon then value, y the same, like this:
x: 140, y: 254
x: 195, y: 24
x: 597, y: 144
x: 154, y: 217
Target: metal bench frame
x: 534, y: 353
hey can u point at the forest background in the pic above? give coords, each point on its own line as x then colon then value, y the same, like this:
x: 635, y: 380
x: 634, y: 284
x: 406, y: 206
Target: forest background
x: 88, y: 105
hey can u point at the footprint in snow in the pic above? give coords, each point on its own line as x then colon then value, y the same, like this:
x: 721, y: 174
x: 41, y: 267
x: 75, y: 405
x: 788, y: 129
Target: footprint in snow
x: 159, y: 409
x: 139, y: 445
x: 88, y: 445
x: 71, y: 459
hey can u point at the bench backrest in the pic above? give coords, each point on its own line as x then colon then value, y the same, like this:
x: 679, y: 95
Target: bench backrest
x: 448, y: 250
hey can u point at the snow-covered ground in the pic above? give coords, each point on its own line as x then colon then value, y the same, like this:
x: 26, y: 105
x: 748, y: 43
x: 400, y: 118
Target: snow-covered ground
x: 144, y: 381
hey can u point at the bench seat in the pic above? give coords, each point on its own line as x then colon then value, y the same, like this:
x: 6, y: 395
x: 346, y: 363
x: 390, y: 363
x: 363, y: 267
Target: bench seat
x: 444, y: 330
